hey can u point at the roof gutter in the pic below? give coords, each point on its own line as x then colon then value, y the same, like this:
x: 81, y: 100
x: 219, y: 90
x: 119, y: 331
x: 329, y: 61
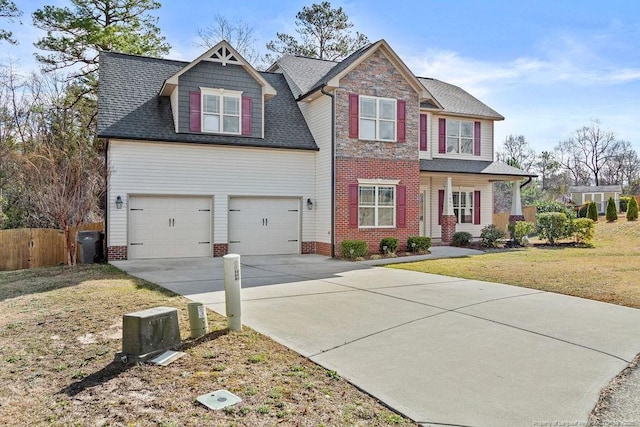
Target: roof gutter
x: 333, y: 168
x: 526, y: 182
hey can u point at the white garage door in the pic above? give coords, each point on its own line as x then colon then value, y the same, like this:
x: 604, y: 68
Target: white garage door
x: 169, y: 227
x: 264, y: 226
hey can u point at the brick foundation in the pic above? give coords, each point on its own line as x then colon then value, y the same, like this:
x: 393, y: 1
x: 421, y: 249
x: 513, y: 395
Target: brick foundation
x: 308, y: 247
x: 117, y: 253
x: 323, y: 248
x: 448, y: 228
x: 220, y: 249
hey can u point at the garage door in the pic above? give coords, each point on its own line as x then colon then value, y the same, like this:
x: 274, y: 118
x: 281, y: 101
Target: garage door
x: 169, y: 227
x: 264, y: 226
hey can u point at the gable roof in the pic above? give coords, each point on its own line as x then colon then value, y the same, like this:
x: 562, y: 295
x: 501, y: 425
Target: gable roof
x: 595, y: 189
x: 303, y: 73
x: 482, y: 167
x: 130, y: 107
x: 221, y: 52
x: 457, y: 101
x: 309, y: 75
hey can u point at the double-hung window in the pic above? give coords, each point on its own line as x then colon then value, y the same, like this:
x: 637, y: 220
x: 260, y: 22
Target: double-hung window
x: 377, y: 118
x: 376, y: 206
x: 221, y: 111
x: 459, y: 136
x: 463, y: 206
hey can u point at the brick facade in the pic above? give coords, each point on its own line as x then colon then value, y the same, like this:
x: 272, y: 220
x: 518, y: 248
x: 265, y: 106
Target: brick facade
x: 323, y: 248
x: 448, y: 228
x: 220, y: 249
x: 365, y: 159
x: 308, y: 247
x: 117, y: 253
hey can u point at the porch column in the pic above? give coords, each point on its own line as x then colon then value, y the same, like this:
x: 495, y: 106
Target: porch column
x: 448, y: 218
x: 516, y: 205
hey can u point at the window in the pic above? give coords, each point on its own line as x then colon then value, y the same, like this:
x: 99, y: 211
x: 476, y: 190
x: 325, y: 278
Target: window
x: 376, y: 206
x: 221, y: 111
x: 463, y: 206
x: 459, y: 137
x: 377, y: 118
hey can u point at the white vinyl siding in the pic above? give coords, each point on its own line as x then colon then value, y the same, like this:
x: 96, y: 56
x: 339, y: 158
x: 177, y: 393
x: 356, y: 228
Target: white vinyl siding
x: 318, y: 117
x: 486, y: 139
x: 431, y: 184
x: 220, y: 172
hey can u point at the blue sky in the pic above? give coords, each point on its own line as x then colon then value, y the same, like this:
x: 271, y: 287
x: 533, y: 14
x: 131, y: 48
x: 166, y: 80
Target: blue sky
x: 549, y: 67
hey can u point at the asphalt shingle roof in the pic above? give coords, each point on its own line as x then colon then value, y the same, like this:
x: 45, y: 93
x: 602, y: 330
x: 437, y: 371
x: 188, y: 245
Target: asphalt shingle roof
x: 129, y: 107
x: 594, y: 188
x: 306, y: 75
x: 483, y: 167
x: 456, y: 100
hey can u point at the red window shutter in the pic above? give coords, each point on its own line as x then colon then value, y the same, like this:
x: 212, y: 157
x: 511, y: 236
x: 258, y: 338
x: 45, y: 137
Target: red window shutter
x: 476, y: 207
x: 353, y: 205
x: 402, y: 120
x: 442, y: 135
x: 353, y: 115
x: 423, y: 132
x: 401, y: 209
x: 247, y: 114
x: 440, y: 205
x: 194, y: 112
x: 476, y: 138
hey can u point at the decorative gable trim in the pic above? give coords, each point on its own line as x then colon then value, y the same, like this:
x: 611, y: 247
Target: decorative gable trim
x: 225, y: 54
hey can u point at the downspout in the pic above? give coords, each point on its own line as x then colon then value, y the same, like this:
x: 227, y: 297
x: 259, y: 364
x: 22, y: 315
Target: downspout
x: 526, y: 182
x: 106, y: 200
x: 333, y: 168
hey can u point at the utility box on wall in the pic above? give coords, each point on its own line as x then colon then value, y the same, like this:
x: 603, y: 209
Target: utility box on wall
x: 148, y: 332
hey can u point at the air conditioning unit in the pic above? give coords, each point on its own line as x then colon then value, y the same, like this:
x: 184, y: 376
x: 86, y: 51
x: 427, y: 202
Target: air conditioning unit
x: 148, y: 333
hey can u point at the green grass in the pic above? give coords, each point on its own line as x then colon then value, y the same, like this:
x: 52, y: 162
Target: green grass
x: 609, y: 272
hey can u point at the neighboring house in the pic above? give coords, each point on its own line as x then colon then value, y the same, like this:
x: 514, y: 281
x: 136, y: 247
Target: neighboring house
x: 599, y: 195
x: 213, y: 157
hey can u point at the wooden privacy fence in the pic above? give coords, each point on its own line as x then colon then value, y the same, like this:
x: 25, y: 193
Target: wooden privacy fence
x: 501, y: 219
x: 36, y: 247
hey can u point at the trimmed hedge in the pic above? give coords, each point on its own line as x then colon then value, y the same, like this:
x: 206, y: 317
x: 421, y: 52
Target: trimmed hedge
x: 359, y: 247
x: 583, y: 230
x: 461, y: 238
x: 521, y: 230
x: 490, y: 235
x: 391, y: 243
x: 553, y: 226
x: 418, y: 244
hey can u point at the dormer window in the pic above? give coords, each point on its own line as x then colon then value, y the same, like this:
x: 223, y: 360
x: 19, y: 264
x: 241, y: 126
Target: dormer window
x: 221, y: 111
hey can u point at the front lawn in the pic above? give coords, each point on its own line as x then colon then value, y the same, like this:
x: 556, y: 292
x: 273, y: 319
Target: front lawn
x: 61, y: 327
x: 609, y: 272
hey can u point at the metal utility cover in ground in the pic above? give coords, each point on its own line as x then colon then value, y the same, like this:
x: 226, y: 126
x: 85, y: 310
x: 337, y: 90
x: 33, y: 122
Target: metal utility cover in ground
x: 218, y: 399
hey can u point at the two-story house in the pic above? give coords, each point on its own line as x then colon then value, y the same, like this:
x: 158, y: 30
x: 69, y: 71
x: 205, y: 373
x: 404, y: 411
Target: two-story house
x: 213, y: 157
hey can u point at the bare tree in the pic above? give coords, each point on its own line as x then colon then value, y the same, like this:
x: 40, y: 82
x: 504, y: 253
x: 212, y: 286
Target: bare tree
x: 589, y: 149
x: 66, y: 187
x: 517, y: 152
x: 623, y: 166
x: 238, y: 33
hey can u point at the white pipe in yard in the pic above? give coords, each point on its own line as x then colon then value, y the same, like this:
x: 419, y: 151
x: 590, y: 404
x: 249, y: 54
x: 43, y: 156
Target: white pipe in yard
x: 232, y: 285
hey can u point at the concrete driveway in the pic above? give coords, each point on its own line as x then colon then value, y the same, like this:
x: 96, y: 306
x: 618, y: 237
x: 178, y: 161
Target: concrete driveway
x: 442, y: 350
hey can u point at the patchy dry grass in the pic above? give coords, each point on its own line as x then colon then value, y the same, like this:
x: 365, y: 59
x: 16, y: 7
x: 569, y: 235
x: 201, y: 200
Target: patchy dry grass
x: 608, y: 272
x: 60, y: 328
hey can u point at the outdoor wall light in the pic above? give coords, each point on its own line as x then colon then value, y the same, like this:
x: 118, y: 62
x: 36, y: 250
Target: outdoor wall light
x: 309, y: 204
x: 119, y: 202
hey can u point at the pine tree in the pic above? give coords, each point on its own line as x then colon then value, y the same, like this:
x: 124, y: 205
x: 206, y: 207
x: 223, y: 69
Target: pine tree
x: 612, y: 212
x: 632, y: 209
x: 592, y: 212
